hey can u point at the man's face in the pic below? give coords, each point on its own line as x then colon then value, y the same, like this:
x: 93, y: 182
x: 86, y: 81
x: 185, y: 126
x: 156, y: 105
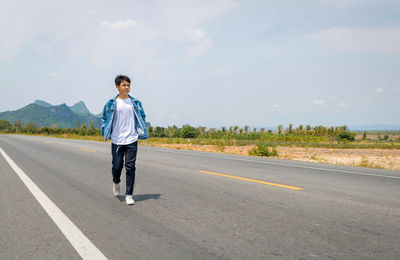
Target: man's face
x: 124, y: 88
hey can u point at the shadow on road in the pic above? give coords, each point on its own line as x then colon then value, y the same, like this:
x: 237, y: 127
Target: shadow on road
x: 142, y: 197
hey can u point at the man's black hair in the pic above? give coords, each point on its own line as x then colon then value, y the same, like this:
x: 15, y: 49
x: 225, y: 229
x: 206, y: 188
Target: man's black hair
x: 120, y: 78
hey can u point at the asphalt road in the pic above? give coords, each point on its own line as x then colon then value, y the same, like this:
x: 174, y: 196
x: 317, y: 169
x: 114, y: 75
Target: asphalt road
x: 185, y: 210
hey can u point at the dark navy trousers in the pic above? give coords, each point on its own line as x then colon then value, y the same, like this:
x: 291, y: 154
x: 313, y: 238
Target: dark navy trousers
x: 128, y: 151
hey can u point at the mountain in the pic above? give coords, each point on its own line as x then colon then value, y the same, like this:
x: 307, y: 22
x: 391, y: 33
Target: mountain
x: 42, y: 103
x: 80, y: 108
x: 44, y: 115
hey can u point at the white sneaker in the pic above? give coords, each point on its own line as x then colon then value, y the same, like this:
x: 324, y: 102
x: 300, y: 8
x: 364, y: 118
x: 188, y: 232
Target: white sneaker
x: 129, y: 200
x: 116, y: 189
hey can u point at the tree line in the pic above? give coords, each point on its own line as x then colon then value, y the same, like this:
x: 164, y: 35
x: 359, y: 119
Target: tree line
x: 290, y: 134
x: 31, y: 128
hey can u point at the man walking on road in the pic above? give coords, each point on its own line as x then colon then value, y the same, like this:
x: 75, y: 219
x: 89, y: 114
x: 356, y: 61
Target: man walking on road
x: 124, y: 122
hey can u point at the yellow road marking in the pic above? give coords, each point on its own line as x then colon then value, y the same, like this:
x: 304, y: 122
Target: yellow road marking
x: 47, y: 142
x: 87, y: 150
x: 252, y: 180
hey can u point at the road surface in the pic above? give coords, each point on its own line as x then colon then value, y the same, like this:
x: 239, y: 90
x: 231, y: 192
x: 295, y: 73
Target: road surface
x: 190, y: 205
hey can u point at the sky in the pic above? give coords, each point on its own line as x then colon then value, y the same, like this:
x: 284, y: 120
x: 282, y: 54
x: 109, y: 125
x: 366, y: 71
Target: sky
x: 211, y: 63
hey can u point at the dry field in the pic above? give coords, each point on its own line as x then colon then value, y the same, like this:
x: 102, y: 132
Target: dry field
x: 374, y: 136
x: 372, y: 158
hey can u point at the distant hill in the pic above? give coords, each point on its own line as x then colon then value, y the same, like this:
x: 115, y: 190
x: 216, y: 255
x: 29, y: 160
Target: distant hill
x: 45, y: 114
x: 42, y: 103
x: 80, y: 108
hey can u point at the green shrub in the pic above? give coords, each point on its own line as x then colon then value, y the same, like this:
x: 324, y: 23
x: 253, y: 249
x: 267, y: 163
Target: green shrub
x: 30, y: 127
x: 5, y: 125
x: 189, y: 132
x: 262, y: 149
x: 345, y: 136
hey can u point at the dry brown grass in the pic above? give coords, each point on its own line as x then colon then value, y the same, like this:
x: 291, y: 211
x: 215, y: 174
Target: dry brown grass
x: 372, y: 158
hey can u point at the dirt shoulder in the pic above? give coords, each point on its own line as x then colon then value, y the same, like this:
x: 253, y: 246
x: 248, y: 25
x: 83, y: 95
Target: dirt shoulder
x: 371, y: 158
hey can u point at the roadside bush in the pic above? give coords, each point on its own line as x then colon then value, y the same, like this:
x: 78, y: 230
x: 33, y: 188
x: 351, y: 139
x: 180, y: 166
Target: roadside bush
x: 5, y: 125
x: 30, y: 128
x: 263, y: 149
x: 346, y: 136
x: 189, y: 132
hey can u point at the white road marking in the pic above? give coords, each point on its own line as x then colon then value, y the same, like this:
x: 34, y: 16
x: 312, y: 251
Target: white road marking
x: 85, y: 248
x: 272, y: 163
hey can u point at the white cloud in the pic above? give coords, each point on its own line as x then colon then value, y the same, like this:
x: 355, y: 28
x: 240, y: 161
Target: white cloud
x: 77, y: 30
x: 379, y: 90
x: 197, y: 50
x: 53, y: 74
x: 319, y: 102
x: 119, y: 24
x: 198, y: 35
x: 341, y: 104
x: 353, y: 39
x: 276, y: 106
x: 201, y: 44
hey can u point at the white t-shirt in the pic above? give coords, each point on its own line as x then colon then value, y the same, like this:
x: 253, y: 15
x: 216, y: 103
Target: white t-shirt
x: 124, y: 130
